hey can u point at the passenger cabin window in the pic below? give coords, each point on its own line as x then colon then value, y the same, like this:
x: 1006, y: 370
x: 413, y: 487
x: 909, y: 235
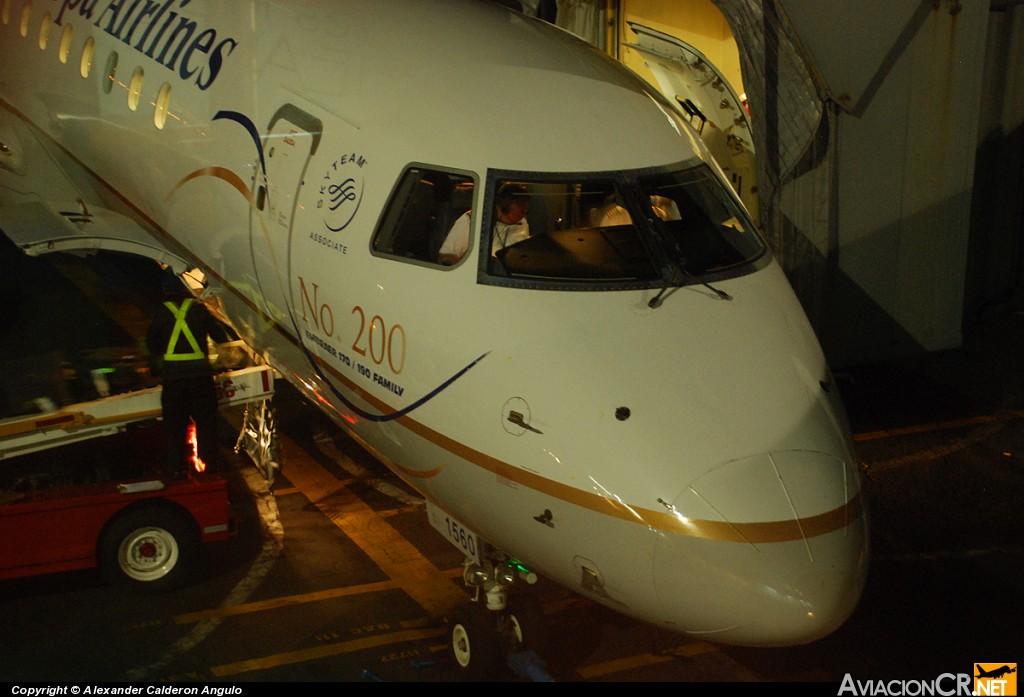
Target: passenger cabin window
x: 640, y: 229
x: 163, y: 103
x: 26, y: 19
x: 135, y: 88
x: 108, y: 83
x: 88, y: 53
x: 44, y: 30
x: 65, y: 42
x: 422, y: 209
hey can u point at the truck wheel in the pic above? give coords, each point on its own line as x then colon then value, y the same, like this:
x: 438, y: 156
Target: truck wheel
x: 149, y: 548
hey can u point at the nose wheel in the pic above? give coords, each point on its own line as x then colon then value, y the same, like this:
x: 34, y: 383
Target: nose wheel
x: 485, y: 644
x: 528, y: 627
x: 475, y: 646
x: 498, y: 631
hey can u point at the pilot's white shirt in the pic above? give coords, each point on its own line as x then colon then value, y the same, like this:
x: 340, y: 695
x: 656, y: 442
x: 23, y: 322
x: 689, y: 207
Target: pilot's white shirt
x: 457, y: 241
x: 507, y: 234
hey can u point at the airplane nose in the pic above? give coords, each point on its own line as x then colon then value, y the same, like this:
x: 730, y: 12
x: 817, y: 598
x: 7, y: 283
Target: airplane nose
x: 772, y: 549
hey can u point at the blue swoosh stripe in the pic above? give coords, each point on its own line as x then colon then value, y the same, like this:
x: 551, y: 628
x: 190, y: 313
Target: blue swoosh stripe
x: 249, y: 126
x: 380, y: 418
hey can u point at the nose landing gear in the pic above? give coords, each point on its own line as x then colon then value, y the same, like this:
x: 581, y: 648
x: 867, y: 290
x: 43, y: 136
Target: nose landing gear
x: 495, y: 633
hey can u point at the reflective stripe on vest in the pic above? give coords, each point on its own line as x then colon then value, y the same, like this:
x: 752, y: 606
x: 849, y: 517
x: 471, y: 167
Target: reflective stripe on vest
x: 181, y: 329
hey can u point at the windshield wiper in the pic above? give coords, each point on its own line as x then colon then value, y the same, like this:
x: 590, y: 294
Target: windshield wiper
x: 720, y: 293
x: 672, y: 280
x: 669, y: 279
x: 656, y: 300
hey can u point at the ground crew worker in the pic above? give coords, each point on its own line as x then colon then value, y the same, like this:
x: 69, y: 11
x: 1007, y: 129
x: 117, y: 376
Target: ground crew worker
x: 177, y: 343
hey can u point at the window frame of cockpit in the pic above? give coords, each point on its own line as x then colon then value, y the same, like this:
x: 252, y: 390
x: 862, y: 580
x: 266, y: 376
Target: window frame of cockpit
x: 384, y: 236
x: 627, y: 181
x: 486, y: 261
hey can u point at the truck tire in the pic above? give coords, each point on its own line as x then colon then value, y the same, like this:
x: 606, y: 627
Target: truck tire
x: 149, y: 548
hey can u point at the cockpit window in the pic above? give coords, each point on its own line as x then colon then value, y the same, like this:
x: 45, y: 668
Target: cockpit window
x: 703, y: 227
x: 421, y: 210
x: 622, y: 229
x: 577, y: 230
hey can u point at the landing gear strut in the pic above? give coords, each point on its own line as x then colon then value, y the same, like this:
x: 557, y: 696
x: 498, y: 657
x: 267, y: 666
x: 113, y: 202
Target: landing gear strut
x: 258, y: 437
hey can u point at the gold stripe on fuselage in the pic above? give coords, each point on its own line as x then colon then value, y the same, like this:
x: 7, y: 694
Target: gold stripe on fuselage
x: 716, y: 530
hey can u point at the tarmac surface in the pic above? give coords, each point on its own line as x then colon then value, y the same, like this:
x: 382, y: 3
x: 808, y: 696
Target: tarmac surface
x: 940, y: 438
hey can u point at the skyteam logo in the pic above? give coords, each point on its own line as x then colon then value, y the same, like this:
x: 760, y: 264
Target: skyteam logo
x: 341, y: 191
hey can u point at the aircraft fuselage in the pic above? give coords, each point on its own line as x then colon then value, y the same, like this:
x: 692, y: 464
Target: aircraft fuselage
x: 635, y: 407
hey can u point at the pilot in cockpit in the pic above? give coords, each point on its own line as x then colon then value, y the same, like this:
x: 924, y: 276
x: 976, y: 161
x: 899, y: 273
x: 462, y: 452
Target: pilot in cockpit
x: 510, y: 225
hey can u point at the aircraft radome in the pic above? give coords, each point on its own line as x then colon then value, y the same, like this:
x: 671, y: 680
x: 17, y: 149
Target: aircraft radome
x: 629, y: 400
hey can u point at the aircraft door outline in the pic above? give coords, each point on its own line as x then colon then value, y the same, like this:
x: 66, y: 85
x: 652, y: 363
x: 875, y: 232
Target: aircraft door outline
x: 292, y: 139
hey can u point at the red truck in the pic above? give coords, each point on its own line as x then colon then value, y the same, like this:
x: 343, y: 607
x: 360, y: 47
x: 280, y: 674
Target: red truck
x: 71, y: 499
x: 145, y: 533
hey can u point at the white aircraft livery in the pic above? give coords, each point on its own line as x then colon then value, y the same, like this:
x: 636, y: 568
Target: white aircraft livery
x: 499, y: 260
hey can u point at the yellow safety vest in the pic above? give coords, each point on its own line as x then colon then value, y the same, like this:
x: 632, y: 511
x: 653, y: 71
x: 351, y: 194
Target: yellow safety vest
x: 181, y: 328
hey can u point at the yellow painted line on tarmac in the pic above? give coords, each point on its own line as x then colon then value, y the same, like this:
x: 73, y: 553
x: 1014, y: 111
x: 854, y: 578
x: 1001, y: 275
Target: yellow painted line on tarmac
x: 407, y: 569
x: 287, y: 601
x: 620, y: 664
x: 939, y: 426
x: 390, y: 551
x: 694, y: 649
x: 312, y: 654
x: 293, y: 600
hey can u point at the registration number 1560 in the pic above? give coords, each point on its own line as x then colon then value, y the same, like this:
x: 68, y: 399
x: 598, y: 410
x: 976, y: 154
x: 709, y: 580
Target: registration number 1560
x: 455, y: 532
